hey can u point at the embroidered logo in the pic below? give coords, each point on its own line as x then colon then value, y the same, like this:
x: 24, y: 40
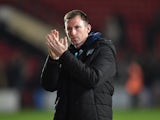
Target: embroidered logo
x: 89, y: 52
x: 80, y: 51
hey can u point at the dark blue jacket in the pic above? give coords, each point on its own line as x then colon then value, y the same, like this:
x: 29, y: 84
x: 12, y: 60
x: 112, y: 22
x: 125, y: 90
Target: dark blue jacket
x: 83, y: 80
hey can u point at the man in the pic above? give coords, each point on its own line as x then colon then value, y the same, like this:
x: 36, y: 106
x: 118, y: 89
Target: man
x: 82, y: 73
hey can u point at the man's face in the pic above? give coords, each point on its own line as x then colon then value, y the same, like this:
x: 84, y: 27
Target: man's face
x: 77, y: 30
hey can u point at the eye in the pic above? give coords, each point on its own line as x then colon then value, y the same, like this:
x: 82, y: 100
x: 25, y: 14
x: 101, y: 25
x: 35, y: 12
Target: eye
x: 77, y: 27
x: 69, y: 28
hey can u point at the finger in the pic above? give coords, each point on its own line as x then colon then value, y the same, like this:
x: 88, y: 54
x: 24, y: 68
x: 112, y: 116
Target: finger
x: 53, y: 45
x: 48, y: 45
x: 47, y: 40
x: 55, y: 34
x: 51, y: 48
x: 65, y: 42
x: 50, y: 42
x: 52, y: 39
x: 61, y: 40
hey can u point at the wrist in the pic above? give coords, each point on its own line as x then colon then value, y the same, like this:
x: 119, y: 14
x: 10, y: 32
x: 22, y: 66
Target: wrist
x: 54, y: 58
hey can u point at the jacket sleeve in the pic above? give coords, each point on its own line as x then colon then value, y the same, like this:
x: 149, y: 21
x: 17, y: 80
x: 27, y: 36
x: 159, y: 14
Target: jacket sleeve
x: 100, y: 70
x: 49, y: 75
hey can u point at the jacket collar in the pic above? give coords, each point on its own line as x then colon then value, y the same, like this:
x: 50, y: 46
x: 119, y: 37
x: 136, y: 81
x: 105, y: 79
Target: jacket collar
x: 93, y: 36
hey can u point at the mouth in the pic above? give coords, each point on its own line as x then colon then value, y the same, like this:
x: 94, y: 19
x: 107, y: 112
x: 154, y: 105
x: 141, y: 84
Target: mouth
x: 74, y: 39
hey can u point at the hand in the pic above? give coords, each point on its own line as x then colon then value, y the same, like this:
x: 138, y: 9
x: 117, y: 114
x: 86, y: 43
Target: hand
x: 53, y: 55
x: 56, y: 47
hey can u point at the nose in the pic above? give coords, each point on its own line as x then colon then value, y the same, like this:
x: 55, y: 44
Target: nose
x: 73, y: 32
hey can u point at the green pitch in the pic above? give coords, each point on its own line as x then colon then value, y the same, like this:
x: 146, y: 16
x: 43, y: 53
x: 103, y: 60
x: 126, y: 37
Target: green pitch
x: 136, y: 114
x: 28, y: 115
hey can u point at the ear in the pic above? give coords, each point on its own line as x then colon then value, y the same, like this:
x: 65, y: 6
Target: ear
x: 89, y: 27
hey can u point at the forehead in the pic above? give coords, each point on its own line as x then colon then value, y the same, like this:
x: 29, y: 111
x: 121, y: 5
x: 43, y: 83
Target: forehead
x: 77, y: 20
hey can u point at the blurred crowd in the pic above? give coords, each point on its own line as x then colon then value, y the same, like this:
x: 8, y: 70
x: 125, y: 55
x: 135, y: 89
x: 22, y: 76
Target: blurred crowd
x: 20, y: 66
x: 138, y: 58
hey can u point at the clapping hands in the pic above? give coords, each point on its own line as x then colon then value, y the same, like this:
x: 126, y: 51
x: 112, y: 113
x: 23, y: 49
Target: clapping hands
x: 55, y: 45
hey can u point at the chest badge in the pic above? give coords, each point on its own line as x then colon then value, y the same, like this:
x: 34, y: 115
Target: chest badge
x: 89, y: 52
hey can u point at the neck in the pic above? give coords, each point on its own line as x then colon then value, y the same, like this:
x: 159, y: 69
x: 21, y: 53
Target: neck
x: 79, y: 45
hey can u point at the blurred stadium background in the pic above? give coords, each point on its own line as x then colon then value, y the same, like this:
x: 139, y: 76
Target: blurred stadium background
x: 133, y: 25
